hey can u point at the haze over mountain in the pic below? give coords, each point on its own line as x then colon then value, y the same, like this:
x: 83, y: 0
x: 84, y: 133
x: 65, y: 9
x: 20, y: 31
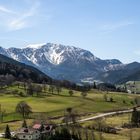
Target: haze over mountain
x: 70, y: 63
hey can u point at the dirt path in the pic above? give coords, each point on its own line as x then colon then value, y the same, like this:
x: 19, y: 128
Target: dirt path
x: 103, y: 115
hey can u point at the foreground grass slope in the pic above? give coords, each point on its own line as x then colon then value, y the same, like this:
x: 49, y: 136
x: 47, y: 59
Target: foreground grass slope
x: 54, y: 105
x: 116, y: 122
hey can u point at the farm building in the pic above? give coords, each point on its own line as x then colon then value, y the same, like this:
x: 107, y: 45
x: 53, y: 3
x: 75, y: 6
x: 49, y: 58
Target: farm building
x: 27, y: 134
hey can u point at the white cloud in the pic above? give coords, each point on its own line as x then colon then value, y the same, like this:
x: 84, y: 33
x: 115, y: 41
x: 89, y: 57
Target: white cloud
x: 22, y: 20
x: 115, y: 26
x: 6, y: 10
x: 14, y: 20
x: 16, y: 25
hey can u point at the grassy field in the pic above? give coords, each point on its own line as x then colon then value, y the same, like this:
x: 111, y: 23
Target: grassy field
x: 54, y: 105
x: 117, y: 122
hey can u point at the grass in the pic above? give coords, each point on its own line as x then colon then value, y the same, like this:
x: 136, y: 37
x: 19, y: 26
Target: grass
x: 94, y: 102
x: 117, y: 121
x: 54, y: 105
x: 121, y: 119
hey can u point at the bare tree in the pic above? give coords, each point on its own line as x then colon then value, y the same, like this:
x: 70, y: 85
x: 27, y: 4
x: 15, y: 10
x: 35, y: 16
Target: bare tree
x: 58, y: 89
x: 86, y: 133
x: 9, y: 79
x: 23, y: 108
x: 51, y: 89
x: 92, y: 135
x: 105, y: 97
x: 44, y: 86
x: 71, y: 92
x: 37, y: 89
x: 84, y: 94
x: 70, y: 116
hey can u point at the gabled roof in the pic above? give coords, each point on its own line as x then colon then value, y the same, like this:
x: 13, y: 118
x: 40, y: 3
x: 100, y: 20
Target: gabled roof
x: 36, y: 126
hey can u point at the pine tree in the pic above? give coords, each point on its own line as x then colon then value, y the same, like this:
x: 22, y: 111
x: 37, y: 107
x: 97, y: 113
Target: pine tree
x: 135, y: 116
x: 7, y: 132
x: 94, y: 85
x: 24, y: 124
x: 125, y: 87
x: 42, y: 127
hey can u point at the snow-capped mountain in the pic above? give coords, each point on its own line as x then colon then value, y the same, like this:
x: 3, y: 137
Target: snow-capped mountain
x: 62, y: 62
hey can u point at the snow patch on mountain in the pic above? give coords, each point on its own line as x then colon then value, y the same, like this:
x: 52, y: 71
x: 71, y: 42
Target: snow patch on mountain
x: 54, y: 57
x: 35, y: 46
x: 15, y: 57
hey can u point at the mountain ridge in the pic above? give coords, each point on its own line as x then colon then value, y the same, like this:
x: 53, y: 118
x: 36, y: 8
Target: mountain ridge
x: 64, y: 62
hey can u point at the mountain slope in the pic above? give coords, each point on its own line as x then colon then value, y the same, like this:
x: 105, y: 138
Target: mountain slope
x: 128, y: 72
x: 71, y: 63
x: 62, y: 62
x: 21, y: 71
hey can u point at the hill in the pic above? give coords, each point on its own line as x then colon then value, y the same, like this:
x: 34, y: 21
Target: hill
x: 21, y: 71
x: 131, y: 72
x: 52, y: 107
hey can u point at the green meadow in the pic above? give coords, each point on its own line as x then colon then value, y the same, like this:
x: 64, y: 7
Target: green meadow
x: 116, y: 122
x: 54, y: 105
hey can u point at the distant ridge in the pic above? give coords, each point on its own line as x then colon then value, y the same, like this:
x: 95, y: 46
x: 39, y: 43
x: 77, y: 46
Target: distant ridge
x: 70, y: 63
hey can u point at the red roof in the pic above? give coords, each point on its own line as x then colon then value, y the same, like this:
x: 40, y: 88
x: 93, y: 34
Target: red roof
x: 36, y: 126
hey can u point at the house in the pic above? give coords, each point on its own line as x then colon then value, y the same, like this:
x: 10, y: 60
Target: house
x: 37, y: 131
x: 27, y: 134
x: 129, y: 91
x: 43, y: 128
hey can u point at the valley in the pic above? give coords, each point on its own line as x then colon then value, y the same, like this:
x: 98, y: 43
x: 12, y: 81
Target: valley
x: 52, y: 106
x: 85, y: 110
x: 69, y: 70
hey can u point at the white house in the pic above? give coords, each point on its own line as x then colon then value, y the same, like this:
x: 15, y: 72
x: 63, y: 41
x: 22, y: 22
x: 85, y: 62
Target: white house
x: 129, y: 91
x: 27, y: 134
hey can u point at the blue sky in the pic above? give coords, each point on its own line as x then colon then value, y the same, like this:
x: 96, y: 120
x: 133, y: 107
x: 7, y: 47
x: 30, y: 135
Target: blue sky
x: 108, y: 28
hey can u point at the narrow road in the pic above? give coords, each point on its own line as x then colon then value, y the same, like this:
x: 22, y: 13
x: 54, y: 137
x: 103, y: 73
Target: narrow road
x: 103, y: 115
x: 94, y: 117
x: 1, y: 135
x: 106, y: 115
